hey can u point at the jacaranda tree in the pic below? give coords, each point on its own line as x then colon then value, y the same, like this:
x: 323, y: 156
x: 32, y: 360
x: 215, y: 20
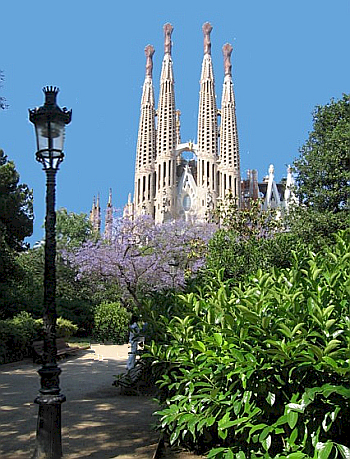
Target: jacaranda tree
x: 143, y: 257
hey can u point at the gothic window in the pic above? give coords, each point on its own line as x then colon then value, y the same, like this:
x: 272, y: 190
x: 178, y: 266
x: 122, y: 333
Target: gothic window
x: 186, y: 202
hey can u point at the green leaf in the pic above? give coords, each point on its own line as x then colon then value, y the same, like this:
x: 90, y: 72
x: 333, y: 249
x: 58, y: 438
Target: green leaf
x: 215, y: 451
x: 297, y: 455
x: 344, y: 450
x: 271, y: 398
x: 174, y: 436
x: 293, y: 436
x: 240, y: 455
x: 324, y: 449
x: 199, y: 346
x: 218, y: 338
x: 292, y: 418
x: 266, y: 443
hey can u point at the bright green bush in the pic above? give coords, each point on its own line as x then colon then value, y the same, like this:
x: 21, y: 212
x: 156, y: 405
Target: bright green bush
x: 262, y: 369
x: 111, y: 323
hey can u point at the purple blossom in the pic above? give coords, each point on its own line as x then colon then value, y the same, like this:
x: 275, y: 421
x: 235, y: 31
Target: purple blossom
x: 144, y: 257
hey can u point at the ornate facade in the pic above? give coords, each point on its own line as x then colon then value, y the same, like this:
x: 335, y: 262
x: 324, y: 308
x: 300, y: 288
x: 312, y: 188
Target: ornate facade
x: 185, y: 180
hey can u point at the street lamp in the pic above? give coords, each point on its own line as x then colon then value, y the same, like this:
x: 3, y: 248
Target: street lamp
x: 173, y: 267
x: 49, y: 121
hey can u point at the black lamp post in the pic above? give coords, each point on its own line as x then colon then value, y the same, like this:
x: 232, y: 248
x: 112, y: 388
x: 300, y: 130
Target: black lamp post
x: 173, y: 267
x: 49, y: 121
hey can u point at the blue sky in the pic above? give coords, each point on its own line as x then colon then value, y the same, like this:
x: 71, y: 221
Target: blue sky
x: 288, y: 57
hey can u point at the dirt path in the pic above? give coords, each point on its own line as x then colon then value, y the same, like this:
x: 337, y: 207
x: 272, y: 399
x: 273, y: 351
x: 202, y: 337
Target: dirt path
x: 97, y: 422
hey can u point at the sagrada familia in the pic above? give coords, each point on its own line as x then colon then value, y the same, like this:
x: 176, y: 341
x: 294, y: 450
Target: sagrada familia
x: 186, y: 180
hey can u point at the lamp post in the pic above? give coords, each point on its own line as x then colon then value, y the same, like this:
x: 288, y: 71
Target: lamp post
x: 49, y: 121
x: 173, y: 267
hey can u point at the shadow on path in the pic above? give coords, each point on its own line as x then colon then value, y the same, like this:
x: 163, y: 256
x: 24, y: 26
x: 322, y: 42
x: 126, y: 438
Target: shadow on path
x: 97, y: 422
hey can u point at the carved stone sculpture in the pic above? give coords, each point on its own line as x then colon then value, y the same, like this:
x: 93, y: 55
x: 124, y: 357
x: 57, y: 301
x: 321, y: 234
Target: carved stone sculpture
x: 168, y: 29
x: 227, y: 50
x: 149, y: 51
x: 207, y: 28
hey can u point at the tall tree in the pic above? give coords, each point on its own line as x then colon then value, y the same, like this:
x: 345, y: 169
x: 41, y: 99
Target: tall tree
x: 16, y: 223
x: 323, y: 176
x: 16, y: 206
x: 323, y: 168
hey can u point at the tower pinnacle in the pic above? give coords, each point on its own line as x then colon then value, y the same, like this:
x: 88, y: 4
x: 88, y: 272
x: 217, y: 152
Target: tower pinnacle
x: 207, y: 28
x: 168, y: 29
x: 149, y: 51
x: 227, y: 50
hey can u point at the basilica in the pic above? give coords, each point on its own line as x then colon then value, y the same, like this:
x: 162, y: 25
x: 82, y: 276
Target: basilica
x: 186, y: 180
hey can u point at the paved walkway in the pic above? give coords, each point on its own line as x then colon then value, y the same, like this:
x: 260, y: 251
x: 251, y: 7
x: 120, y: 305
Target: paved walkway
x: 97, y: 422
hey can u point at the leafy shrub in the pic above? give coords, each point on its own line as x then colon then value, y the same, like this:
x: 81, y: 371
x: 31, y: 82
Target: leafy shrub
x: 17, y: 335
x: 79, y: 312
x: 111, y: 323
x: 64, y: 328
x: 261, y: 369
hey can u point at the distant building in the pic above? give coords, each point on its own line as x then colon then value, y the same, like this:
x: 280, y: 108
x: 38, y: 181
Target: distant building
x: 186, y: 180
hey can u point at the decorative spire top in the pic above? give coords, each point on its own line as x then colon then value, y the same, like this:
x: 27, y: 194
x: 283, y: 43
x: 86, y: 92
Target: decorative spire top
x: 227, y: 50
x: 149, y: 51
x: 168, y: 29
x: 109, y: 204
x: 207, y: 28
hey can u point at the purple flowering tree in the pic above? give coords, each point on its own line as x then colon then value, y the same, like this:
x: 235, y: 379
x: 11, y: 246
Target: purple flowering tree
x: 143, y: 257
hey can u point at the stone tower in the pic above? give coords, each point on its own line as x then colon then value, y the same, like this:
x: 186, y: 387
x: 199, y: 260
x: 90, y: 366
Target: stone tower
x: 169, y: 184
x: 166, y: 137
x: 229, y: 167
x: 95, y: 215
x: 207, y: 135
x: 146, y: 145
x: 109, y: 218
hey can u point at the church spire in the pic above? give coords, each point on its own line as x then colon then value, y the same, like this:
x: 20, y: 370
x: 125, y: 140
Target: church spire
x: 109, y: 218
x: 229, y: 169
x: 146, y: 142
x: 207, y: 123
x: 95, y: 215
x: 166, y: 134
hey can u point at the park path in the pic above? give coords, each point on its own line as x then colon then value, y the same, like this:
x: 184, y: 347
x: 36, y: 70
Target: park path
x: 97, y: 422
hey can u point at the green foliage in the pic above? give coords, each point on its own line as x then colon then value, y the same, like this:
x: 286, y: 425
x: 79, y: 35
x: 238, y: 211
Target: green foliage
x: 261, y: 369
x: 240, y: 257
x: 79, y: 312
x: 247, y: 222
x: 16, y: 206
x: 72, y: 229
x: 323, y: 169
x: 16, y: 223
x: 111, y: 323
x: 65, y: 328
x: 17, y: 335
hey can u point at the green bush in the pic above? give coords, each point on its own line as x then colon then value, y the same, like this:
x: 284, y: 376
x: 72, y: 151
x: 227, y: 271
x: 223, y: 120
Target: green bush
x: 79, y: 312
x: 64, y: 328
x: 261, y: 369
x: 111, y: 323
x: 17, y: 335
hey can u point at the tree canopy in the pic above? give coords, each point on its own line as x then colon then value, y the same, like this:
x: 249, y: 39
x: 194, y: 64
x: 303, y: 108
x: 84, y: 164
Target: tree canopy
x: 16, y: 206
x: 323, y: 168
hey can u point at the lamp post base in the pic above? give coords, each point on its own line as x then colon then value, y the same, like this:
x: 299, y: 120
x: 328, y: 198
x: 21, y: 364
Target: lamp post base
x: 48, y: 434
